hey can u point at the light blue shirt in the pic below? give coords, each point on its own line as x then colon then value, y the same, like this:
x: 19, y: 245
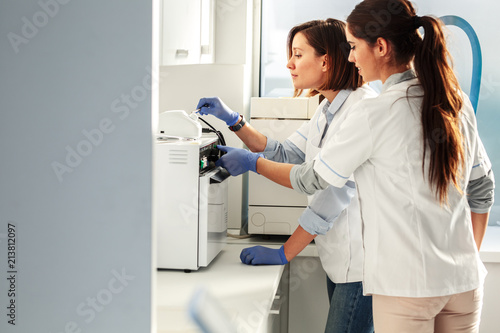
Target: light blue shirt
x: 288, y: 152
x: 326, y: 205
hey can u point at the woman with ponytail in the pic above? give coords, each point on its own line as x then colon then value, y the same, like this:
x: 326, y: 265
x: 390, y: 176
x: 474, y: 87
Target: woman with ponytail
x: 423, y: 171
x: 423, y: 178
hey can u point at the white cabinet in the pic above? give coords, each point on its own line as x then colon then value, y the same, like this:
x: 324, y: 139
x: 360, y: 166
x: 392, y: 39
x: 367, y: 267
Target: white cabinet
x: 274, y: 209
x: 308, y: 297
x: 277, y: 322
x: 187, y: 32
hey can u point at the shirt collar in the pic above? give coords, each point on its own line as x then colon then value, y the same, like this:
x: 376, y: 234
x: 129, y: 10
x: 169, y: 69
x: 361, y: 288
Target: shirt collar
x: 337, y: 102
x: 398, y: 78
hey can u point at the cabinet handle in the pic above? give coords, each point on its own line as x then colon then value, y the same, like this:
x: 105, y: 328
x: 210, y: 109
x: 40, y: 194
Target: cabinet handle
x: 181, y: 53
x: 205, y: 49
x: 275, y: 307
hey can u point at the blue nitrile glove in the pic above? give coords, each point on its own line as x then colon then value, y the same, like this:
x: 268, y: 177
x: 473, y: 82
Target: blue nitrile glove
x: 237, y: 160
x: 217, y: 108
x: 260, y: 255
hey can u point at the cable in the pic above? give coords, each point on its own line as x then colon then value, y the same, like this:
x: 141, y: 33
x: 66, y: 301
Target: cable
x: 213, y: 130
x: 203, y: 120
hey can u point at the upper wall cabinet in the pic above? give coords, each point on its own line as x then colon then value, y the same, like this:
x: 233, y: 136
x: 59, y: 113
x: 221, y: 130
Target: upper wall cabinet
x: 187, y: 32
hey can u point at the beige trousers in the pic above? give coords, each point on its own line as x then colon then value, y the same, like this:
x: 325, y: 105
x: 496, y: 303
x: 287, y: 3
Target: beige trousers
x: 445, y: 314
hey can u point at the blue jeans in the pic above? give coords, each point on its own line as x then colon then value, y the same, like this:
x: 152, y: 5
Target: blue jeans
x: 350, y: 311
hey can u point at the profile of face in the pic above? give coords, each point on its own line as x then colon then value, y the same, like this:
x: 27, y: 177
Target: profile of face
x: 363, y: 56
x: 308, y: 70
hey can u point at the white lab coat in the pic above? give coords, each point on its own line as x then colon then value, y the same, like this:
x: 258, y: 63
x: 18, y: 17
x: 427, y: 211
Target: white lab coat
x: 341, y: 248
x: 413, y: 246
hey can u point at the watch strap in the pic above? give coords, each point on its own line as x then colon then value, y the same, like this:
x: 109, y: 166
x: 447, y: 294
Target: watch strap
x: 238, y: 126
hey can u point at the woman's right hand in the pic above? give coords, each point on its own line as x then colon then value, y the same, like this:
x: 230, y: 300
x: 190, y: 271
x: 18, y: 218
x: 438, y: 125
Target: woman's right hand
x: 217, y: 108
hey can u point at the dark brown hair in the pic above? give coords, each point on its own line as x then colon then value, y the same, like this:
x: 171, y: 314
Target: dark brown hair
x: 396, y: 22
x: 328, y: 37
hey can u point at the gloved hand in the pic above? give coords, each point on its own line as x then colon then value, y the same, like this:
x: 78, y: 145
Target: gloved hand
x: 237, y: 160
x: 260, y: 255
x: 217, y: 108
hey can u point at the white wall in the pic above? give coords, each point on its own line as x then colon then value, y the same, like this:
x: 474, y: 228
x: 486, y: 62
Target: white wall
x: 308, y: 302
x: 75, y: 180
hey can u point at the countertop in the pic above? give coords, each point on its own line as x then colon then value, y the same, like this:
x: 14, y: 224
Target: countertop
x: 245, y: 292
x: 490, y: 248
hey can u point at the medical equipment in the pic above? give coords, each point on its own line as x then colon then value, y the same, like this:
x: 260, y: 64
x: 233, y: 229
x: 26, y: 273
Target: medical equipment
x: 272, y: 208
x: 190, y: 194
x: 178, y: 124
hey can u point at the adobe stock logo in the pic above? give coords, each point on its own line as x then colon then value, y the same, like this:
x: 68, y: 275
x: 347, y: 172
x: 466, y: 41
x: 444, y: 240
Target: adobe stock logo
x: 30, y: 28
x: 74, y: 157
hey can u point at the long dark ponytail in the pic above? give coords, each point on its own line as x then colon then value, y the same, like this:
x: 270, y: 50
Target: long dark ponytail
x: 397, y: 22
x: 440, y: 108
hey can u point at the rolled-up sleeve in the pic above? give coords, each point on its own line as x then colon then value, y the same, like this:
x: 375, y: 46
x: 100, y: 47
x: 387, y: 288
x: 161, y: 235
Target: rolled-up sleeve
x: 481, y: 186
x: 325, y: 208
x: 313, y: 223
x: 305, y: 180
x: 480, y: 193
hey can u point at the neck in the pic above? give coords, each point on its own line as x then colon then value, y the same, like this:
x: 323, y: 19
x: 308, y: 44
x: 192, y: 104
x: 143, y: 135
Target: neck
x: 389, y: 70
x: 329, y: 94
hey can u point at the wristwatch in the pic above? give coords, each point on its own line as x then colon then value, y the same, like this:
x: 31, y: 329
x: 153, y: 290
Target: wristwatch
x: 237, y: 127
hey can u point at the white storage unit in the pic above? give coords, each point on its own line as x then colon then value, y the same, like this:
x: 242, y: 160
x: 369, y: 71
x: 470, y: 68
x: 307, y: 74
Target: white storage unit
x: 187, y: 32
x: 272, y: 208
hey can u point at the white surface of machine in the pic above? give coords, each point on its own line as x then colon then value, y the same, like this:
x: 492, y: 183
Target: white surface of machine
x: 190, y: 199
x: 272, y: 208
x: 178, y: 124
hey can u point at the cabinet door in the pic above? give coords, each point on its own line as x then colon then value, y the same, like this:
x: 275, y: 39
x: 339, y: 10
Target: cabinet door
x: 309, y: 305
x: 181, y: 27
x: 187, y: 32
x: 278, y: 315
